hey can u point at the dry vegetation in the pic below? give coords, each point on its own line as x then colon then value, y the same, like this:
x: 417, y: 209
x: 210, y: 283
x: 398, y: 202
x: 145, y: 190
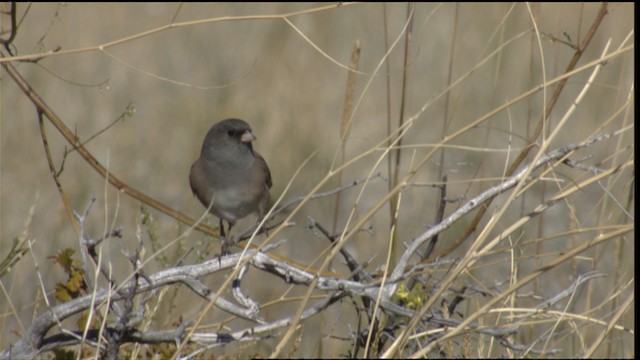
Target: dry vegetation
x: 459, y: 180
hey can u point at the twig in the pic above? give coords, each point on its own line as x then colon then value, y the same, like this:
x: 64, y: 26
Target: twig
x: 115, y: 335
x: 14, y: 27
x: 252, y: 307
x: 326, y: 193
x: 352, y: 263
x: 487, y: 194
x: 72, y: 139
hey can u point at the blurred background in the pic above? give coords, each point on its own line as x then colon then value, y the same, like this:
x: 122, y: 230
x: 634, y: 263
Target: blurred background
x: 291, y: 89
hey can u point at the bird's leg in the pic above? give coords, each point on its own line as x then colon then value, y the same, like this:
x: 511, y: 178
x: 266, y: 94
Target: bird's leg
x: 264, y: 228
x: 224, y: 246
x: 225, y: 242
x: 230, y: 239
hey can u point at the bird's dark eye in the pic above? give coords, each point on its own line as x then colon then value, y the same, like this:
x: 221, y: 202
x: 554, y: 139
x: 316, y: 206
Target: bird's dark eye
x: 231, y: 132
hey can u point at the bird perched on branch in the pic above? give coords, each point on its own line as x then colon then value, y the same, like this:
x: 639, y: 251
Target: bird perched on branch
x: 231, y: 179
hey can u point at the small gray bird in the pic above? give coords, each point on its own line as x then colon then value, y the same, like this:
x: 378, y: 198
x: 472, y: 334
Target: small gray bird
x: 229, y: 178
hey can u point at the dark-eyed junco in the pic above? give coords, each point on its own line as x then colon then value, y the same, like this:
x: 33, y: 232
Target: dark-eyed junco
x: 229, y: 178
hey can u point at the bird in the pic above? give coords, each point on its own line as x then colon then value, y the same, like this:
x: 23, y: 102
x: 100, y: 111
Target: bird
x: 229, y: 178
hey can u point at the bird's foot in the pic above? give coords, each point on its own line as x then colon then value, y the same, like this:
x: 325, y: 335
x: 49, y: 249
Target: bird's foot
x: 225, y: 247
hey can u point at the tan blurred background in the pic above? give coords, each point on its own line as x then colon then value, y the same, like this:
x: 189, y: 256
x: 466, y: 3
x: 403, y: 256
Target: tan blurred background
x: 263, y: 71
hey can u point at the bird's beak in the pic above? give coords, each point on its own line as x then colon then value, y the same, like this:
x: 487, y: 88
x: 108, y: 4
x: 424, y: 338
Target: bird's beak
x: 247, y: 137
